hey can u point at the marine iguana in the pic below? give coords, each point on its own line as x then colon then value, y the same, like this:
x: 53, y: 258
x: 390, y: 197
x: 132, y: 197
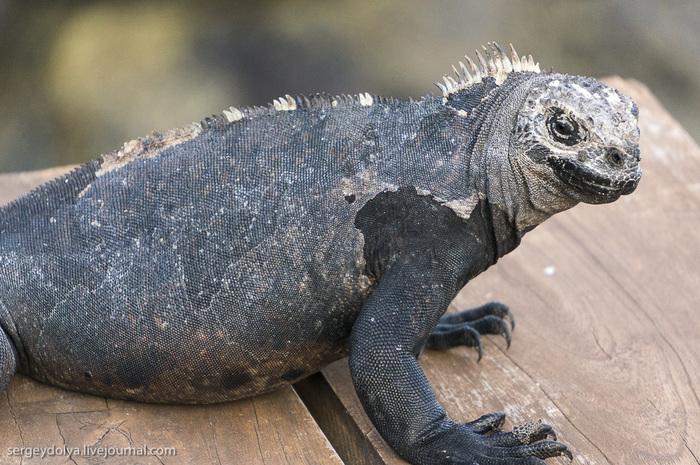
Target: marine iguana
x: 227, y: 258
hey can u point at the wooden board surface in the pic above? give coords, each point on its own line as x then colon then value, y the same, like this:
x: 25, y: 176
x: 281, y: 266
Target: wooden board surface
x: 605, y: 348
x: 273, y: 429
x: 607, y: 339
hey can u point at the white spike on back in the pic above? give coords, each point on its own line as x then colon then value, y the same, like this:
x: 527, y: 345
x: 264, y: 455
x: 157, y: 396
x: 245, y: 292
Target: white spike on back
x: 496, y: 65
x: 233, y: 114
x: 286, y: 103
x: 365, y: 99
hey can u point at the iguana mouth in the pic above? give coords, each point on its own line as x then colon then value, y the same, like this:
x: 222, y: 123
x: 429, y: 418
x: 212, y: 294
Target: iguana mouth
x: 591, y: 182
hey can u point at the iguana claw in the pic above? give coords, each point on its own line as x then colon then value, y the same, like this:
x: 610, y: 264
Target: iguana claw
x: 465, y: 328
x: 481, y: 442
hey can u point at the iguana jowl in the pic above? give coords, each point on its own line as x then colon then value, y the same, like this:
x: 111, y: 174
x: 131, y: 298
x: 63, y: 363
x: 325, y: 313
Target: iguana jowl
x: 228, y: 258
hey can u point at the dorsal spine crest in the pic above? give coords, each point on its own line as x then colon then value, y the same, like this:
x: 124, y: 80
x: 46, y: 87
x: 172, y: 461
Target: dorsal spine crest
x: 496, y: 65
x: 291, y: 103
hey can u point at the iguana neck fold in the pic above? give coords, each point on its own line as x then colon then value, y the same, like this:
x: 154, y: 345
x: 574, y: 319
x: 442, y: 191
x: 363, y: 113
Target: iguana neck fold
x: 499, y: 170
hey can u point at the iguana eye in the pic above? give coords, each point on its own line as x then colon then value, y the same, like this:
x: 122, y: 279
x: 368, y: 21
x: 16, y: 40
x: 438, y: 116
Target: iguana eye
x: 562, y: 127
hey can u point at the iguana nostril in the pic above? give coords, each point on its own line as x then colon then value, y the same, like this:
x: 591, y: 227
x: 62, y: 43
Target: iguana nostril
x: 615, y: 157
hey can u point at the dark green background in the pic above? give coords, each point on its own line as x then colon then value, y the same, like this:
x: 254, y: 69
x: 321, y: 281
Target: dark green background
x: 79, y: 78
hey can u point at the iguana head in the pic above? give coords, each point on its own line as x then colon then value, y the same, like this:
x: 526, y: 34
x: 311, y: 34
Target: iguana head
x: 583, y: 133
x: 571, y: 138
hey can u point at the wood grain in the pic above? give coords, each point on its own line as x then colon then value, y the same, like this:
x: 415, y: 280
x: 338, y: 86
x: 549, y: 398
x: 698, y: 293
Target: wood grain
x: 268, y: 429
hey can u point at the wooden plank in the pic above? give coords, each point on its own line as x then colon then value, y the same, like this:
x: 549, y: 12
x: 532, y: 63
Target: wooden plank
x: 271, y: 429
x: 268, y: 429
x: 337, y: 422
x: 607, y: 342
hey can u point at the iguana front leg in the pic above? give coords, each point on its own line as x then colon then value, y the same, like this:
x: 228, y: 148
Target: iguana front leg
x: 395, y: 323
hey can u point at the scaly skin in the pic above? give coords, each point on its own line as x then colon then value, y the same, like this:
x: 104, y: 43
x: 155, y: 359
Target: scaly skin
x: 226, y: 259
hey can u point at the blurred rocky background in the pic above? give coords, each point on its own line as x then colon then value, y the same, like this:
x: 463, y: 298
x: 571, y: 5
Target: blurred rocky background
x: 78, y: 78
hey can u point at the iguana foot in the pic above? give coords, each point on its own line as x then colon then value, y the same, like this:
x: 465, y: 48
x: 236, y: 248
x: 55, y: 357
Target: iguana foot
x: 481, y: 442
x: 465, y: 328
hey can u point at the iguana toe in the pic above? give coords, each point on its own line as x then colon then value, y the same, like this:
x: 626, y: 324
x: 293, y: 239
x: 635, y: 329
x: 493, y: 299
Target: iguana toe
x: 465, y: 328
x: 492, y: 308
x: 488, y: 423
x: 480, y: 442
x: 528, y: 433
x: 460, y: 334
x: 492, y: 324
